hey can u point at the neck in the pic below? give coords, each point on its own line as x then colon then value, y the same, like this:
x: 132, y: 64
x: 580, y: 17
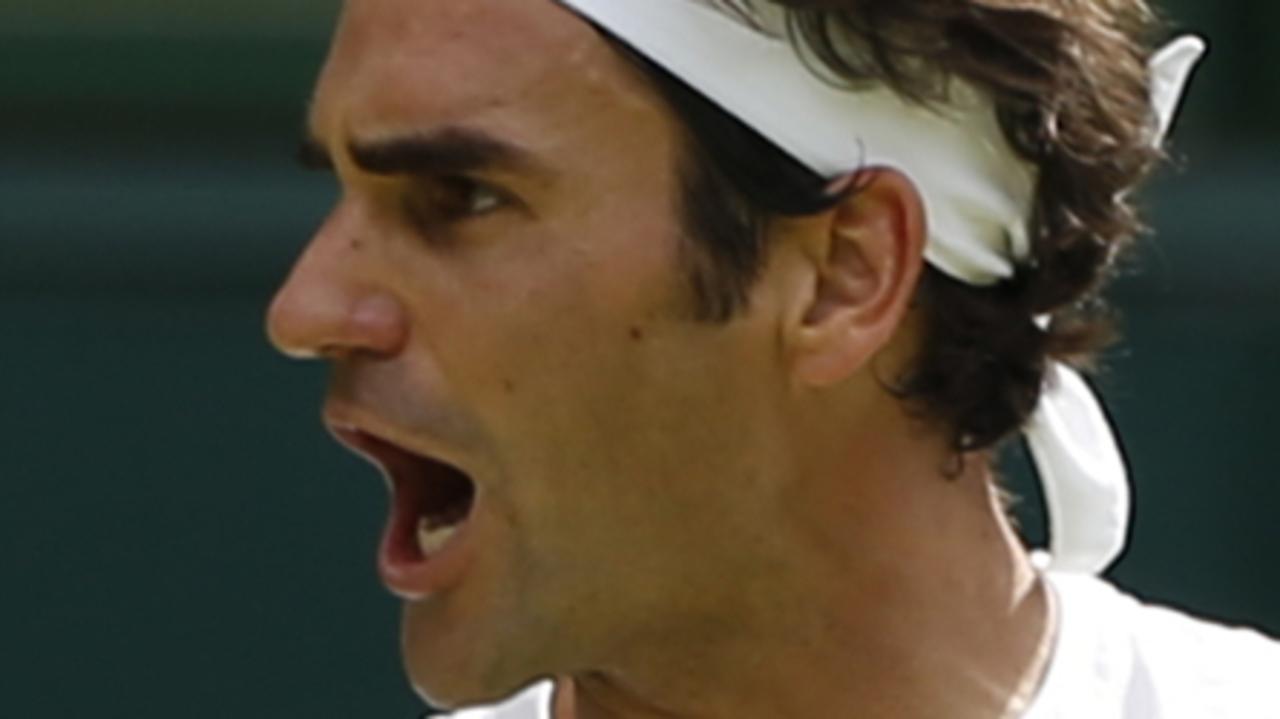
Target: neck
x: 908, y: 595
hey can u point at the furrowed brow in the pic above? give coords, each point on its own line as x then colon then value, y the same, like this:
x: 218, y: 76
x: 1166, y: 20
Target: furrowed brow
x: 444, y: 152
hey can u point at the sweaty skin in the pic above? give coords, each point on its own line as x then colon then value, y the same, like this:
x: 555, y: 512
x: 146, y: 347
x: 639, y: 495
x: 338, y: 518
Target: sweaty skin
x: 681, y: 519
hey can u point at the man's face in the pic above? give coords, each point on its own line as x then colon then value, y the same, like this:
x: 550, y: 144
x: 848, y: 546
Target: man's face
x: 522, y: 315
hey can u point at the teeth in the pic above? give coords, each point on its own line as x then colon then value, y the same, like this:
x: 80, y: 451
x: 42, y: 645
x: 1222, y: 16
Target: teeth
x: 432, y: 539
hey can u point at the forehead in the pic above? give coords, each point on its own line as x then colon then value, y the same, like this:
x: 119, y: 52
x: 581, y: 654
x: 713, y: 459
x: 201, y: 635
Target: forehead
x: 396, y: 65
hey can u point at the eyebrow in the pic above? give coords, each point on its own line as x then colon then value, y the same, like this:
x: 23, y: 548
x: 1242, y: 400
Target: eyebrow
x: 449, y: 151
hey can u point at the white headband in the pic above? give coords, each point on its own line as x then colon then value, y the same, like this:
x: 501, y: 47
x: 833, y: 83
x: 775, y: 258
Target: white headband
x: 977, y: 196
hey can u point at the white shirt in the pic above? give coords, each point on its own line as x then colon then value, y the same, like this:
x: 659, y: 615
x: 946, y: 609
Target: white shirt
x: 1113, y: 658
x: 1116, y: 658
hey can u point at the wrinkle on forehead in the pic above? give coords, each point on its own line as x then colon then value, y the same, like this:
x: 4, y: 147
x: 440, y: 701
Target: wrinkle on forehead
x: 396, y: 64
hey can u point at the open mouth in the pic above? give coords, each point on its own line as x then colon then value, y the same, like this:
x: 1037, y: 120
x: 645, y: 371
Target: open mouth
x: 431, y: 503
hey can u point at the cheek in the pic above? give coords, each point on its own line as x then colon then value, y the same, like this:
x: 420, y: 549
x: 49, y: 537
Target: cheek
x: 561, y: 342
x: 551, y: 305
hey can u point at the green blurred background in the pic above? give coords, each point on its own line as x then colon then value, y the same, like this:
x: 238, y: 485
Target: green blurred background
x: 178, y: 537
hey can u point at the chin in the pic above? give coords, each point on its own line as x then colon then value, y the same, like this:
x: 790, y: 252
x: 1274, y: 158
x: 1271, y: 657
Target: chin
x: 452, y: 690
x: 449, y: 672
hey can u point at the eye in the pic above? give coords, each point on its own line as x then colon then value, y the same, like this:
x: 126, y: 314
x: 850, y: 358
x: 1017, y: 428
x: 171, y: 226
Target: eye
x: 472, y: 197
x: 457, y: 198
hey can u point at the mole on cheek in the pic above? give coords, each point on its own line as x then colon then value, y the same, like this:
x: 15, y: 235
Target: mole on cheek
x: 637, y: 334
x: 356, y: 243
x: 509, y: 386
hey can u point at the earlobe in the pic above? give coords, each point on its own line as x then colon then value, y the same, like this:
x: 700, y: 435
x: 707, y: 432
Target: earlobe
x: 866, y: 266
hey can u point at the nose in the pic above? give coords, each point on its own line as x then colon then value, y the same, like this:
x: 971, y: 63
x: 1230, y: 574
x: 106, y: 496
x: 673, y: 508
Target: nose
x: 332, y: 306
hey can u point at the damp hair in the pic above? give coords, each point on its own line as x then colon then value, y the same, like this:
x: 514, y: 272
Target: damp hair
x: 1070, y: 84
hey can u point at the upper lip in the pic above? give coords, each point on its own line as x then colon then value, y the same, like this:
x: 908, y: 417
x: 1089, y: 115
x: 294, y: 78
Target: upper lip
x: 348, y: 424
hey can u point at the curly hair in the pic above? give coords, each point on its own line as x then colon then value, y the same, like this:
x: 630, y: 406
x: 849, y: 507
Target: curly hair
x: 1070, y: 84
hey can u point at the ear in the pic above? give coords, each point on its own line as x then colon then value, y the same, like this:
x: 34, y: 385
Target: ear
x: 865, y: 263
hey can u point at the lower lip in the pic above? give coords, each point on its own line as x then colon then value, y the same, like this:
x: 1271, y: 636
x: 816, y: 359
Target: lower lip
x: 405, y: 571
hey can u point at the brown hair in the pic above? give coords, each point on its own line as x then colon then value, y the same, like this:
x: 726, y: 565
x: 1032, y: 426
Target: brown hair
x: 1070, y: 83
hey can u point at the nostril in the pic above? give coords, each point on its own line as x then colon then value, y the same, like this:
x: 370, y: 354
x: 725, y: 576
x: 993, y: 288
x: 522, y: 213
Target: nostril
x: 380, y: 323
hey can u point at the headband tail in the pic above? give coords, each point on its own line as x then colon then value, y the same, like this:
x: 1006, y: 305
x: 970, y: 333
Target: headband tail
x: 1082, y: 471
x: 1081, y: 467
x: 1171, y: 70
